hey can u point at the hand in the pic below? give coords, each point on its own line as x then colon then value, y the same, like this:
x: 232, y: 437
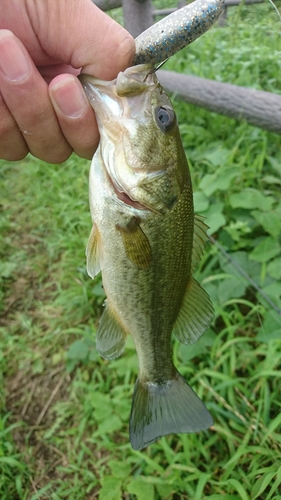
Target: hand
x: 48, y: 42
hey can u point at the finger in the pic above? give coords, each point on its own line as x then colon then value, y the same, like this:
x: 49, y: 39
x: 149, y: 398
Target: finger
x: 49, y: 72
x: 26, y: 96
x: 12, y: 144
x: 97, y: 43
x: 75, y: 115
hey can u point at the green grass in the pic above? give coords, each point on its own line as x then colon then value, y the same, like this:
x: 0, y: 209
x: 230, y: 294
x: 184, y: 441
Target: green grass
x: 64, y: 410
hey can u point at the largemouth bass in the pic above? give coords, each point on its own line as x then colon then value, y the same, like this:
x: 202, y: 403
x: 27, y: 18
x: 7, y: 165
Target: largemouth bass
x: 147, y: 242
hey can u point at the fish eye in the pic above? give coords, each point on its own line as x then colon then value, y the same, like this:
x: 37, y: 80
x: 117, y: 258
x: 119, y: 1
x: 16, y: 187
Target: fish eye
x: 165, y: 118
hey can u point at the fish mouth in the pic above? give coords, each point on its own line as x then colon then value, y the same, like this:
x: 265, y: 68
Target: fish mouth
x: 125, y: 198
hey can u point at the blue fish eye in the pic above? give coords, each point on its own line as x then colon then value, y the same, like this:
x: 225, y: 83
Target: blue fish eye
x: 165, y: 118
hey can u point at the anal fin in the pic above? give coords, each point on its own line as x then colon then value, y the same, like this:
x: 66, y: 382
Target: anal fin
x: 111, y: 336
x: 195, y: 315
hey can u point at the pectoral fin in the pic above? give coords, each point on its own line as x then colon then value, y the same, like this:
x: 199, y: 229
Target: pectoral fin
x: 136, y: 244
x: 111, y: 337
x: 93, y: 253
x: 195, y: 314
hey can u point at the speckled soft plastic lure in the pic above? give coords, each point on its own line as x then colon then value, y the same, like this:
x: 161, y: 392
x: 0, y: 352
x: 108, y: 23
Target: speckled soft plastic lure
x: 176, y: 31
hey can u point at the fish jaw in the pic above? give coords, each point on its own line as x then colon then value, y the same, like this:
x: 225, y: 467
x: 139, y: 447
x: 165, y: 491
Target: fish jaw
x: 111, y: 99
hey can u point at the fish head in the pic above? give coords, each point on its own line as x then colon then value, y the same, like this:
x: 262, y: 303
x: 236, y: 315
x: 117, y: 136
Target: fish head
x: 139, y: 137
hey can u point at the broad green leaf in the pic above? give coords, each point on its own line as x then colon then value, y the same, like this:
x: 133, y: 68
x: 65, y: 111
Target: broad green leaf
x: 251, y: 198
x: 218, y: 156
x: 271, y: 179
x: 78, y: 350
x: 272, y: 321
x: 215, y: 221
x: 103, y: 412
x: 219, y: 181
x: 110, y: 489
x: 165, y: 490
x: 98, y: 290
x: 214, y: 217
x: 231, y: 288
x: 238, y: 229
x: 7, y: 268
x: 240, y: 259
x: 270, y: 221
x: 108, y: 425
x: 93, y: 354
x: 274, y: 268
x: 119, y: 469
x: 267, y: 336
x: 273, y: 291
x: 265, y: 250
x: 102, y: 404
x: 201, y: 202
x: 38, y: 366
x: 189, y: 352
x: 275, y: 164
x: 141, y: 488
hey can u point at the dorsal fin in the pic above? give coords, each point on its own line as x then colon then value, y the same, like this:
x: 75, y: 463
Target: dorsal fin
x: 195, y: 315
x: 199, y: 239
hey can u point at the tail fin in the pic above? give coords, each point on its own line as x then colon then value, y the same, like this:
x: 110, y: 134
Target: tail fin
x: 160, y: 409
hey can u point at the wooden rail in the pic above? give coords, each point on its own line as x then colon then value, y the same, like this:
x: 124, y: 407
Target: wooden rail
x: 259, y: 108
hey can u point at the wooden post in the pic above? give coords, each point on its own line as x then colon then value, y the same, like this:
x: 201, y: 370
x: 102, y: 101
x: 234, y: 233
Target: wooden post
x: 108, y: 4
x: 138, y: 15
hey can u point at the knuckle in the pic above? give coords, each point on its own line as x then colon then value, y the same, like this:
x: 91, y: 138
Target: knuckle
x: 12, y: 155
x: 53, y: 157
x: 12, y: 145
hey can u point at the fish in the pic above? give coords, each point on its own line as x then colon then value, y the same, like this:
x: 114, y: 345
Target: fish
x: 147, y: 242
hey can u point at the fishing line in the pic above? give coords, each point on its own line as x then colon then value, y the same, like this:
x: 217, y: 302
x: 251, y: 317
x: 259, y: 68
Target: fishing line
x: 245, y: 275
x: 233, y: 262
x: 273, y: 5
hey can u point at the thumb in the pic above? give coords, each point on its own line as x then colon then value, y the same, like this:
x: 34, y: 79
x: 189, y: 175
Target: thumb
x: 78, y: 33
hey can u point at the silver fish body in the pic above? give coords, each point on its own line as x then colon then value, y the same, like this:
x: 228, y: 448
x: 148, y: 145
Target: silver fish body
x: 147, y: 242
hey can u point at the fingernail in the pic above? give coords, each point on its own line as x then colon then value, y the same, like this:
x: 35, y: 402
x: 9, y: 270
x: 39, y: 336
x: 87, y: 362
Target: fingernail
x: 69, y: 97
x: 13, y: 62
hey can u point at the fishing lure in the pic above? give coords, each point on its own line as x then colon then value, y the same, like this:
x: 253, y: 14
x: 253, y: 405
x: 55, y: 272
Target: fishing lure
x: 176, y: 31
